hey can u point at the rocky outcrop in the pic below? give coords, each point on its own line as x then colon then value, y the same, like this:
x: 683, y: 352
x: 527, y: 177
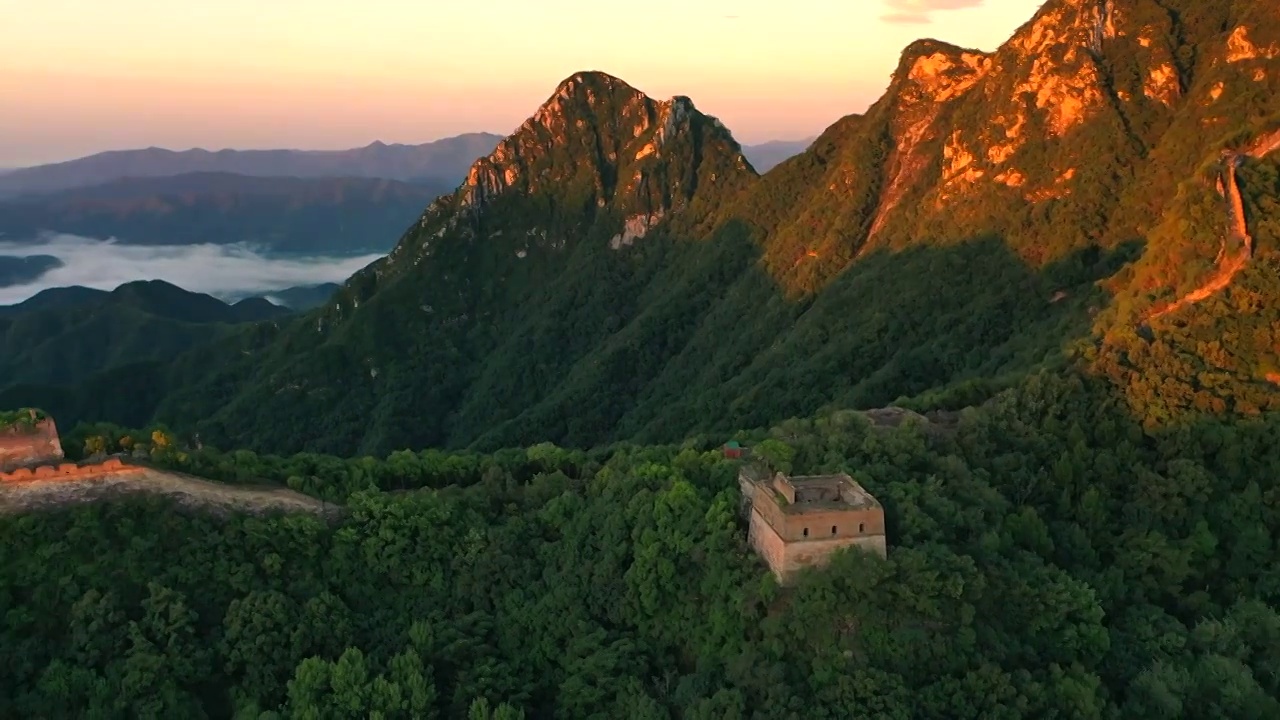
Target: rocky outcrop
x: 1241, y: 49
x: 972, y: 115
x: 930, y: 75
x: 634, y: 228
x: 644, y: 157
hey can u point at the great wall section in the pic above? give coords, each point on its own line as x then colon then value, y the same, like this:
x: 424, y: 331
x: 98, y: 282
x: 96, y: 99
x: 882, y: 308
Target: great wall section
x: 1238, y: 227
x: 33, y: 476
x: 113, y: 479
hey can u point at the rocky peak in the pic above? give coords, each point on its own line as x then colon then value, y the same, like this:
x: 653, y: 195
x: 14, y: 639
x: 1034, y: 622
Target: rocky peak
x: 596, y: 151
x: 598, y: 134
x: 930, y: 70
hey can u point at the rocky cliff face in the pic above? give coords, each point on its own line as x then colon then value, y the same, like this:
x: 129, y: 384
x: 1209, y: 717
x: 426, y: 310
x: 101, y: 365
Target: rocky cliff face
x: 597, y: 151
x: 1063, y: 121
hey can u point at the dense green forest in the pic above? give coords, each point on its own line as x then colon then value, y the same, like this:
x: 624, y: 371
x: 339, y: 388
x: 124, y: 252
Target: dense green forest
x: 64, y: 334
x: 1048, y: 558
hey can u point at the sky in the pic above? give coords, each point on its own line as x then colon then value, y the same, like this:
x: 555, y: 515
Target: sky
x: 83, y: 76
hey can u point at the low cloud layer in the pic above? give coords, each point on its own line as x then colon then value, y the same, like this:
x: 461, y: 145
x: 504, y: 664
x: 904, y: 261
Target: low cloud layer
x: 919, y: 12
x: 226, y: 271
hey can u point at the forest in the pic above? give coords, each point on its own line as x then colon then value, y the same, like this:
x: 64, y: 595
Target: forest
x: 1049, y: 557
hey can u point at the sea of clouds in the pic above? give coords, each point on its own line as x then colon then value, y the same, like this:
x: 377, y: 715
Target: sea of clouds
x: 226, y: 271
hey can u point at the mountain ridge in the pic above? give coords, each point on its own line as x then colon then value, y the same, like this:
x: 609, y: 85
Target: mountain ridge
x: 432, y: 162
x: 992, y: 214
x: 445, y: 159
x: 321, y: 215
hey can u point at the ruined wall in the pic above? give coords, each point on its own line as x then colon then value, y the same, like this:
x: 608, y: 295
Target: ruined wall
x: 747, y: 487
x: 784, y: 488
x: 766, y: 505
x: 21, y: 447
x: 67, y: 471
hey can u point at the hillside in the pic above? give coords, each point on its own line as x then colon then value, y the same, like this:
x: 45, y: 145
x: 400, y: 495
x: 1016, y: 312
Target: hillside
x: 1047, y: 559
x: 444, y: 160
x: 616, y: 270
x: 64, y: 334
x: 279, y: 214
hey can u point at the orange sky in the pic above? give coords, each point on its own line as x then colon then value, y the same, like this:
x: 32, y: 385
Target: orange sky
x: 82, y: 76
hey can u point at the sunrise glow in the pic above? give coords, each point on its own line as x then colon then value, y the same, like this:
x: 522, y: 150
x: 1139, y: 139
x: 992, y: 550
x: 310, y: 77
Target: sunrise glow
x: 81, y: 76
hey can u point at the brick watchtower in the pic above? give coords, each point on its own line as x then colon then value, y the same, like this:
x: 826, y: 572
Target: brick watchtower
x: 798, y: 522
x: 28, y: 438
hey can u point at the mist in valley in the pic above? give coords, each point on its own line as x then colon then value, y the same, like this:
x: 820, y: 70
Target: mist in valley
x: 229, y: 272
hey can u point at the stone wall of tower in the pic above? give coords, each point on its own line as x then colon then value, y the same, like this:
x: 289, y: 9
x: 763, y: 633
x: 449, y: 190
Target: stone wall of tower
x: 786, y: 558
x: 26, y: 446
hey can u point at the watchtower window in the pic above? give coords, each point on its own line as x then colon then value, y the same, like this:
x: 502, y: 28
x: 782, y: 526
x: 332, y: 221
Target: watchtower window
x: 806, y: 532
x: 862, y: 527
x: 833, y: 529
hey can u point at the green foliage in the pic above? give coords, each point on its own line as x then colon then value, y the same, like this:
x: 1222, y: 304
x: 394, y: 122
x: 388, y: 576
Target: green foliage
x: 1047, y: 558
x: 22, y: 418
x: 1223, y: 354
x: 65, y: 334
x: 776, y: 454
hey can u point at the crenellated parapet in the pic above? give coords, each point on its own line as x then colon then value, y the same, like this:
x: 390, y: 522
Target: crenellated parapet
x: 68, y: 471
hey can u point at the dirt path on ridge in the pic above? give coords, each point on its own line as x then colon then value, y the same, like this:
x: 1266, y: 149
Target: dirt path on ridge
x: 186, y: 490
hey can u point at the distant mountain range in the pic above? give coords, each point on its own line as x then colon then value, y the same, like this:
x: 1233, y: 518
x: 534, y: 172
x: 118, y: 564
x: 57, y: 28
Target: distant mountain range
x: 339, y: 215
x: 439, y: 162
x: 442, y: 161
x: 332, y: 202
x: 766, y: 156
x: 304, y: 297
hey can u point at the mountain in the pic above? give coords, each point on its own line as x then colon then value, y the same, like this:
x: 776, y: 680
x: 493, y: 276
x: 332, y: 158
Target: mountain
x: 63, y: 334
x: 304, y: 297
x: 444, y: 160
x: 283, y: 214
x: 1097, y: 194
x: 766, y: 156
x: 20, y: 270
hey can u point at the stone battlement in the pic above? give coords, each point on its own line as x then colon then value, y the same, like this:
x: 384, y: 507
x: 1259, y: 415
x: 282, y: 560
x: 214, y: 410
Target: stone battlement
x: 67, y: 471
